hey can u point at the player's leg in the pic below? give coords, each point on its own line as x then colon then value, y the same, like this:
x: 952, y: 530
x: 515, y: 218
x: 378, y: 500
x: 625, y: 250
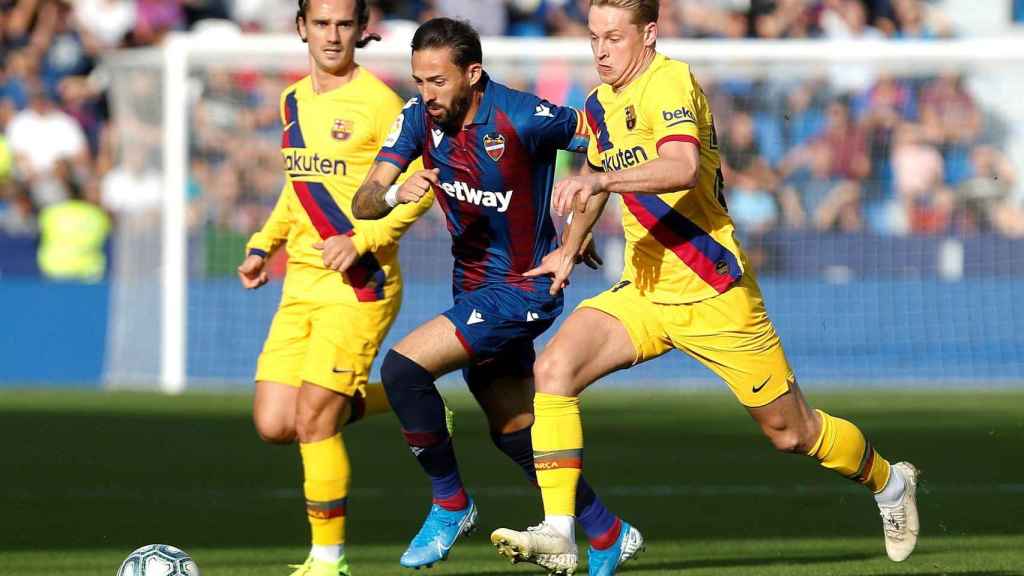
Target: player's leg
x: 732, y: 335
x: 611, y: 331
x: 839, y: 445
x: 279, y: 373
x: 408, y: 374
x: 326, y: 473
x: 343, y: 342
x: 273, y: 411
x: 503, y: 386
x: 372, y: 400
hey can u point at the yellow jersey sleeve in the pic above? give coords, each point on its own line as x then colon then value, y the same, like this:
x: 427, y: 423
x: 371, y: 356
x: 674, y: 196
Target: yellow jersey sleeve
x: 670, y: 105
x: 275, y: 230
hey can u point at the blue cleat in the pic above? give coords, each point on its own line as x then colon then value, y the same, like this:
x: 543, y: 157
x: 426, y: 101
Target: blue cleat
x: 438, y: 534
x: 628, y: 545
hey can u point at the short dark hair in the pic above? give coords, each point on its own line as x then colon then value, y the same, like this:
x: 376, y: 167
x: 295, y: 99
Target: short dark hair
x: 456, y: 35
x: 362, y: 19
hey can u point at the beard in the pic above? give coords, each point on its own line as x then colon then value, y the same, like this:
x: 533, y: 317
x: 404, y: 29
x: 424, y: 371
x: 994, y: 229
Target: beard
x: 451, y: 118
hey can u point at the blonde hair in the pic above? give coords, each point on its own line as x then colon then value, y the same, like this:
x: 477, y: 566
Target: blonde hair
x: 644, y: 11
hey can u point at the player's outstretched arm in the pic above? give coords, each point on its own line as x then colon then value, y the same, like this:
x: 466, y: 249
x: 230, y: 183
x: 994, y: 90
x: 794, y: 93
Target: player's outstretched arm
x: 369, y: 202
x: 560, y: 263
x: 378, y: 195
x: 251, y: 272
x: 675, y: 169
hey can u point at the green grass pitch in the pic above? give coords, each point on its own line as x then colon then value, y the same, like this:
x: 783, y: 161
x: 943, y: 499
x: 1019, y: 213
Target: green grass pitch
x: 88, y: 477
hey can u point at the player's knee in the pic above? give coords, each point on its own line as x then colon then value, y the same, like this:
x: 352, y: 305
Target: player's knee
x: 792, y: 437
x: 311, y: 429
x: 784, y: 440
x: 273, y: 429
x: 553, y: 374
x: 399, y: 374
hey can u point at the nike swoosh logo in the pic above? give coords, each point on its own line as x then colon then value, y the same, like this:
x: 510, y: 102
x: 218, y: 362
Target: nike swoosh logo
x: 340, y: 370
x: 288, y: 125
x: 757, y: 389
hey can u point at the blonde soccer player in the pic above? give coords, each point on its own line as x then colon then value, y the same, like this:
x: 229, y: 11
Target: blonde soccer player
x: 343, y: 285
x: 686, y: 286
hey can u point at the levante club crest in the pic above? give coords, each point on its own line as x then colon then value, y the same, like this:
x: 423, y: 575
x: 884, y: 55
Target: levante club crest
x: 341, y: 130
x: 494, y: 144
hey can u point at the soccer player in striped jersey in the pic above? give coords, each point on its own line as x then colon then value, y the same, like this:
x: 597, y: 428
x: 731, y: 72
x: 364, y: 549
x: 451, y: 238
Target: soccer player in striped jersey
x: 686, y: 286
x: 489, y: 154
x: 343, y: 285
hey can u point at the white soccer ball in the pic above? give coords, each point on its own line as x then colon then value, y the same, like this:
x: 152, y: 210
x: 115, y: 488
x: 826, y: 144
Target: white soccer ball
x: 158, y: 560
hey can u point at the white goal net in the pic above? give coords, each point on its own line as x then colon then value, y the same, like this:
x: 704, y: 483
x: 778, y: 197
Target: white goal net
x: 876, y: 186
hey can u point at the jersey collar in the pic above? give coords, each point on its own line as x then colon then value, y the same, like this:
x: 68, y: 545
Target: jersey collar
x: 486, y: 109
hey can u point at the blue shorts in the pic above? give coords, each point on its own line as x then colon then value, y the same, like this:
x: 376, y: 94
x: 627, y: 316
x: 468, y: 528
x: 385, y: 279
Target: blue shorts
x: 497, y: 324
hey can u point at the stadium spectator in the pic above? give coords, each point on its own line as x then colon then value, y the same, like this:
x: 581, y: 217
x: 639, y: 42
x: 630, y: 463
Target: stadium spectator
x: 949, y: 112
x: 154, y: 19
x: 65, y: 51
x: 714, y: 18
x: 913, y: 19
x: 73, y: 233
x: 489, y: 17
x: 827, y: 172
x: 40, y: 136
x: 107, y: 22
x: 784, y: 18
x: 20, y: 69
x: 918, y: 170
x: 985, y: 200
x: 751, y: 181
x: 847, y: 20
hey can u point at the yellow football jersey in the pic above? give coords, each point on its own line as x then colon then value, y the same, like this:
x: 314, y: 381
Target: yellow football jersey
x: 680, y: 246
x: 329, y: 142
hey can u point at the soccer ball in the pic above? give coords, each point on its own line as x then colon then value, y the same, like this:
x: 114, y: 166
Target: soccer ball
x: 158, y: 560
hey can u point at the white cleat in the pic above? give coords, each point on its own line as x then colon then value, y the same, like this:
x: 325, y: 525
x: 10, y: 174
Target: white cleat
x: 541, y: 545
x: 899, y: 520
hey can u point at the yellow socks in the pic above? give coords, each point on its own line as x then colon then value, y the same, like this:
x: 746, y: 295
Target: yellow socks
x: 557, y: 451
x: 843, y: 448
x: 326, y: 468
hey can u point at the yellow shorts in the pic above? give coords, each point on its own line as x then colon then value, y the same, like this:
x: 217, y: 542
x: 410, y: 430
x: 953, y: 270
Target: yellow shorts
x: 328, y: 344
x: 730, y: 334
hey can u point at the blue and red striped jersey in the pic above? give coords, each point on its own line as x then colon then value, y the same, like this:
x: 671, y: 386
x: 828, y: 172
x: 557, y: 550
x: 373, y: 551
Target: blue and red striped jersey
x: 496, y: 175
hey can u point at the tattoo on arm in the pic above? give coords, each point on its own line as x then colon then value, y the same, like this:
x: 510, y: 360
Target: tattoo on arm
x: 368, y: 203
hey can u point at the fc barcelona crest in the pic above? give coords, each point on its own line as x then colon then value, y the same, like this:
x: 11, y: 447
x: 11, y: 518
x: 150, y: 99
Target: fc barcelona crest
x: 630, y: 117
x: 341, y: 130
x: 494, y: 144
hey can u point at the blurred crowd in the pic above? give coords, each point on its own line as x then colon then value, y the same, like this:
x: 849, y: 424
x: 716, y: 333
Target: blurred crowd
x: 845, y: 150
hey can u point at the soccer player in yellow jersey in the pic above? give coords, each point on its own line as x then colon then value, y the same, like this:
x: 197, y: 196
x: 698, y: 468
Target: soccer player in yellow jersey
x: 343, y: 286
x: 686, y: 286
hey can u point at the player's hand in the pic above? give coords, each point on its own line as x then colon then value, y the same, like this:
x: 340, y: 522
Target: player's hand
x: 588, y: 253
x: 556, y: 264
x: 417, y: 185
x: 252, y: 273
x: 574, y: 191
x: 339, y: 252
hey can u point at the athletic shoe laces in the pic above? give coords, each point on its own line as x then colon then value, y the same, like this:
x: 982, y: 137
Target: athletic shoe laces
x: 894, y: 521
